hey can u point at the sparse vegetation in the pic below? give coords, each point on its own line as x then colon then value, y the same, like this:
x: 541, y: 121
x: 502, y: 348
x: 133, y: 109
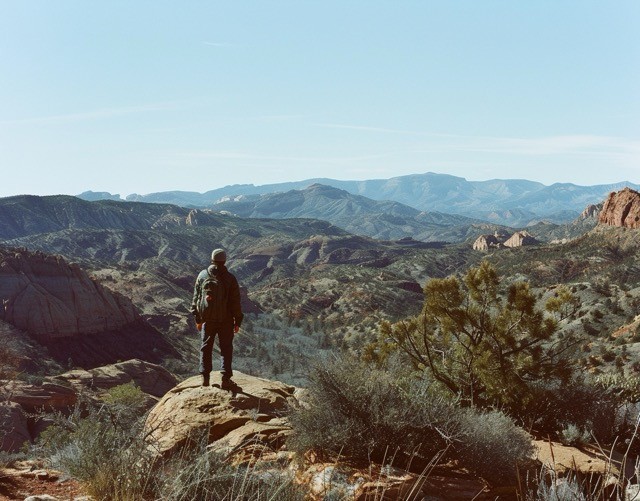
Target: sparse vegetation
x: 103, y: 446
x: 372, y: 414
x: 488, y: 336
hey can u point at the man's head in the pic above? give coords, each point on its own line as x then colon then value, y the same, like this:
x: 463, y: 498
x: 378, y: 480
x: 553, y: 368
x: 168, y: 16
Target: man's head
x: 218, y: 256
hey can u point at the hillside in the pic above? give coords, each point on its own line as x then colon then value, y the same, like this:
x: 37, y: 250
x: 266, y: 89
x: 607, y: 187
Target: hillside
x: 309, y: 285
x: 73, y: 317
x: 356, y: 214
x: 511, y: 202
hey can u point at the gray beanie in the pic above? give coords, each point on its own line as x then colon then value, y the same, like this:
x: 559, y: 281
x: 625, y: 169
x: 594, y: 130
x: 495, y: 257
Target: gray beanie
x: 219, y: 256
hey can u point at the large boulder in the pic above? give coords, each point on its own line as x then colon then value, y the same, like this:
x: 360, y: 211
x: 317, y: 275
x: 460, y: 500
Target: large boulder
x: 253, y: 413
x: 621, y: 209
x: 14, y: 431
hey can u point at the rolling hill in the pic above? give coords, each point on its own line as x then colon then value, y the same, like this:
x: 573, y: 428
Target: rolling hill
x: 512, y: 202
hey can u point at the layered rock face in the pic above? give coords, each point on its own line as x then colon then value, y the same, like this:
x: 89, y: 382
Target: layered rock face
x: 485, y: 242
x: 49, y: 298
x: 621, y: 209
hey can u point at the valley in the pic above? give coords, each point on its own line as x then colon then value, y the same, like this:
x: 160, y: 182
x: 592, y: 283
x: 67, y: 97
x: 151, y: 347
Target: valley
x: 312, y: 292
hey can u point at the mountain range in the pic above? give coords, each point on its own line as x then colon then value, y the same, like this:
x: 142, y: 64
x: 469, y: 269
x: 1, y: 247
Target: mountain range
x: 512, y: 202
x: 385, y: 220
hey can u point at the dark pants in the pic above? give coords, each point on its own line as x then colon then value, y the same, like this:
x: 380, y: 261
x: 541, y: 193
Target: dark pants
x: 224, y: 331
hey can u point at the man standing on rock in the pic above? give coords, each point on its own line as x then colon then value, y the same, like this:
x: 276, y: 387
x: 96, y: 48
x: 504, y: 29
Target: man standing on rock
x: 217, y: 311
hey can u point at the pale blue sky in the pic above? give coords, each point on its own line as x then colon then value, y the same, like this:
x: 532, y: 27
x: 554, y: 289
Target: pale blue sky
x: 145, y: 96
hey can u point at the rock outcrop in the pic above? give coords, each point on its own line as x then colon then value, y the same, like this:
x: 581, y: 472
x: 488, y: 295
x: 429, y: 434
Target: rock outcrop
x: 19, y: 400
x: 621, y: 209
x: 49, y: 395
x: 49, y: 298
x: 252, y: 414
x: 501, y: 240
x: 486, y: 242
x: 520, y: 238
x: 591, y: 211
x: 152, y: 379
x: 14, y: 431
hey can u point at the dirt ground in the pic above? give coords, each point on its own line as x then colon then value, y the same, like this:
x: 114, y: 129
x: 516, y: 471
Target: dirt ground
x: 27, y: 479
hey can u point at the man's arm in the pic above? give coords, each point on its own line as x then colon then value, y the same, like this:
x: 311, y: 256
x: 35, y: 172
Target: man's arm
x: 235, y: 306
x: 196, y: 299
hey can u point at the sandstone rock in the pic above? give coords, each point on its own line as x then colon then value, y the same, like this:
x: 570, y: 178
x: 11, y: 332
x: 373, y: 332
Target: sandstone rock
x: 14, y: 431
x: 621, y: 209
x: 561, y: 459
x: 331, y: 481
x: 151, y: 378
x: 519, y: 239
x: 228, y: 420
x: 50, y: 299
x: 49, y: 395
x: 192, y: 218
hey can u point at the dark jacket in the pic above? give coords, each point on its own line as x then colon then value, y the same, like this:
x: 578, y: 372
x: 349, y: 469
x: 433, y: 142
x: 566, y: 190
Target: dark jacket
x: 234, y: 309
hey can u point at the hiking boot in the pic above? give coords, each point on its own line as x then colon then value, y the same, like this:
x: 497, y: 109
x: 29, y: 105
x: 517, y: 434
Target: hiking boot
x: 227, y: 383
x: 205, y: 380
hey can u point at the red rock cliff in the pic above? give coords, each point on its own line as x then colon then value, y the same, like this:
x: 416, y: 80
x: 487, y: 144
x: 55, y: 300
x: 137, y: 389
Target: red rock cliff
x: 622, y: 208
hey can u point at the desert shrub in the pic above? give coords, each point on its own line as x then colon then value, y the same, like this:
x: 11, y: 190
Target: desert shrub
x: 492, y: 445
x: 575, y: 436
x: 368, y: 413
x: 127, y: 401
x: 202, y: 474
x: 103, y: 449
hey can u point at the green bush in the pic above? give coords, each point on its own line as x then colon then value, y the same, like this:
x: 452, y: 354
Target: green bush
x: 372, y: 414
x: 573, y: 435
x: 484, y: 340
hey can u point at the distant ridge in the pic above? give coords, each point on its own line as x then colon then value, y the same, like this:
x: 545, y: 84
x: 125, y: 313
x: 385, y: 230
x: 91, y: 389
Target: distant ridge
x: 512, y: 202
x: 356, y: 214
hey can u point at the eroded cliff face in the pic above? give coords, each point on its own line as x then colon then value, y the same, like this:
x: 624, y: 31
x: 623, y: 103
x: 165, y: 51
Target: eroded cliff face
x: 50, y: 298
x: 622, y: 209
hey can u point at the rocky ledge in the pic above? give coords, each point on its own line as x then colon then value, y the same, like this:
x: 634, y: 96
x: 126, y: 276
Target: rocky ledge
x: 253, y: 413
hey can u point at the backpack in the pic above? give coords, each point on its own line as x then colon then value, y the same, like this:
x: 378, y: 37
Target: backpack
x: 213, y: 300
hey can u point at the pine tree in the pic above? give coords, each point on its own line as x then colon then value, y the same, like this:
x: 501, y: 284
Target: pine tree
x: 483, y: 346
